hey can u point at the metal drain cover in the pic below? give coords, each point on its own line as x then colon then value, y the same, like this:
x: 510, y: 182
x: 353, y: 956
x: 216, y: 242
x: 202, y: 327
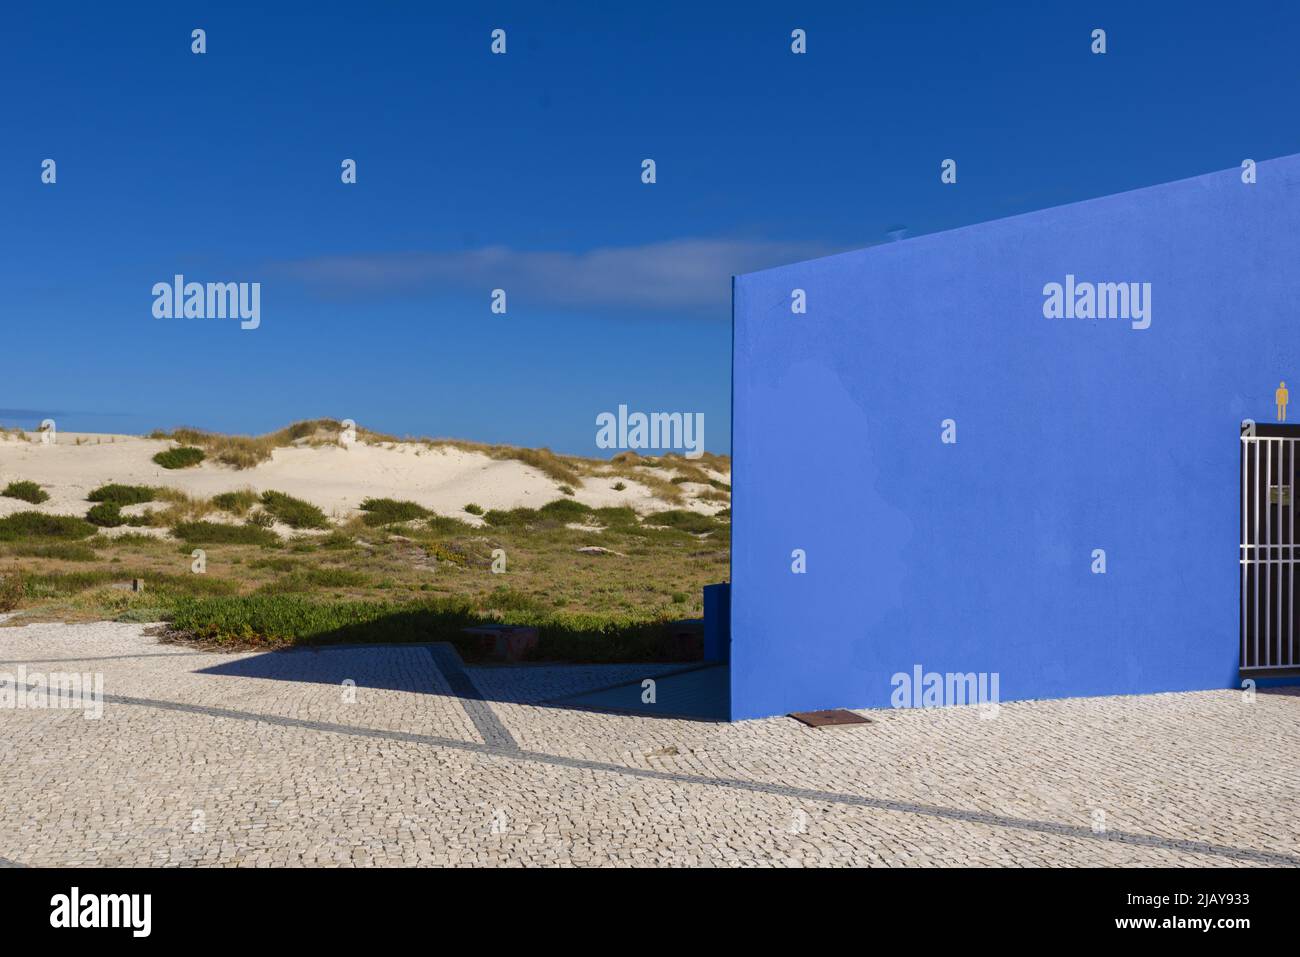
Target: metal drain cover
x: 828, y: 719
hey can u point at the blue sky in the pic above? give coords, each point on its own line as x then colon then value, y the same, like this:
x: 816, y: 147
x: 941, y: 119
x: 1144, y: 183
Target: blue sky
x: 523, y: 172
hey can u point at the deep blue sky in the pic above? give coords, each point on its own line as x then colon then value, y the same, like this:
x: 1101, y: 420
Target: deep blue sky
x: 523, y: 171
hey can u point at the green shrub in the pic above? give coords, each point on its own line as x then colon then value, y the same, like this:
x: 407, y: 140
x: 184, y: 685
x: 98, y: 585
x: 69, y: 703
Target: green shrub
x: 181, y: 457
x: 474, y: 509
x: 388, y: 511
x: 294, y: 512
x: 38, y: 525
x: 617, y: 517
x: 618, y: 486
x: 122, y: 494
x: 106, y: 515
x: 212, y: 533
x: 565, y: 510
x: 261, y: 519
x: 237, y: 503
x: 512, y: 518
x: 567, y: 490
x: 26, y: 491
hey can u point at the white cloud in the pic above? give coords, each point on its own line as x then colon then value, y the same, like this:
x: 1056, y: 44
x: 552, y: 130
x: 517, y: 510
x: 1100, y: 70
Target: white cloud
x: 679, y: 274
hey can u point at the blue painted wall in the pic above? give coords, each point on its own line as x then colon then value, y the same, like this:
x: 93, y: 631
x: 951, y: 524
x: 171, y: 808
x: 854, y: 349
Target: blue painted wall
x: 1072, y: 434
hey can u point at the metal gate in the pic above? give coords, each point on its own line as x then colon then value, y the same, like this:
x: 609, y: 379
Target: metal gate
x: 1269, y: 552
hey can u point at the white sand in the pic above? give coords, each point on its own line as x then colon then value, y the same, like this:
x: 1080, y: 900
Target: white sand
x: 334, y: 478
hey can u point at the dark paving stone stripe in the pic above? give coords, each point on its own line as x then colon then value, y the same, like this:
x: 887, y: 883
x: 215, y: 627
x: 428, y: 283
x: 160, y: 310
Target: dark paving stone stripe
x: 479, y: 710
x: 754, y: 787
x: 53, y: 661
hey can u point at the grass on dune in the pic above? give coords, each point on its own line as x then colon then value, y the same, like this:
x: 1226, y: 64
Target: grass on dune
x: 109, y: 515
x: 28, y: 492
x: 182, y: 457
x: 238, y: 502
x: 123, y: 494
x: 37, y: 525
x: 388, y: 511
x: 216, y: 533
x: 294, y: 512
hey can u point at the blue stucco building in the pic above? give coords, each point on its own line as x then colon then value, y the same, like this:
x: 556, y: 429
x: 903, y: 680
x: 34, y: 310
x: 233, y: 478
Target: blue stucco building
x: 969, y: 453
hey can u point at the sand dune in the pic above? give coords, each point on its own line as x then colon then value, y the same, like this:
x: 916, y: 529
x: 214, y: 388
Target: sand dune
x: 335, y: 478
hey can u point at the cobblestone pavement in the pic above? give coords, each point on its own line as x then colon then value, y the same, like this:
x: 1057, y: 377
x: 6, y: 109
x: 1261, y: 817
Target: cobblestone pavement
x: 270, y: 759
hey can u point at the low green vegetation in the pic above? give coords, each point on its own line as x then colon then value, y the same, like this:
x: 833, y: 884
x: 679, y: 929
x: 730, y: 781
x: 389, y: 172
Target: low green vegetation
x: 315, y: 579
x: 445, y: 525
x: 508, y: 518
x: 566, y: 510
x: 619, y: 516
x: 108, y: 515
x: 293, y: 512
x: 286, y: 619
x: 236, y: 503
x: 216, y: 533
x: 33, y: 525
x: 389, y: 511
x: 123, y: 494
x: 181, y: 457
x: 26, y: 491
x: 474, y: 509
x: 61, y: 551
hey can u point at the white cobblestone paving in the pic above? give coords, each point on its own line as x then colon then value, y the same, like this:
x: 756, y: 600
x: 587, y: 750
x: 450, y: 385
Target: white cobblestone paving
x: 258, y: 759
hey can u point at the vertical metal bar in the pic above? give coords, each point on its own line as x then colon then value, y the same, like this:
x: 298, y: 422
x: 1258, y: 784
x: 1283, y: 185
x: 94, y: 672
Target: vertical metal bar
x: 1290, y: 520
x: 1275, y: 553
x: 1275, y: 654
x: 1254, y: 490
x: 1268, y: 543
x: 1243, y: 552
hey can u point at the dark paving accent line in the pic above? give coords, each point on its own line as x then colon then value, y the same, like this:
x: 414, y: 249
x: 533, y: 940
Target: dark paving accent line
x: 494, y: 733
x: 754, y: 787
x: 52, y: 661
